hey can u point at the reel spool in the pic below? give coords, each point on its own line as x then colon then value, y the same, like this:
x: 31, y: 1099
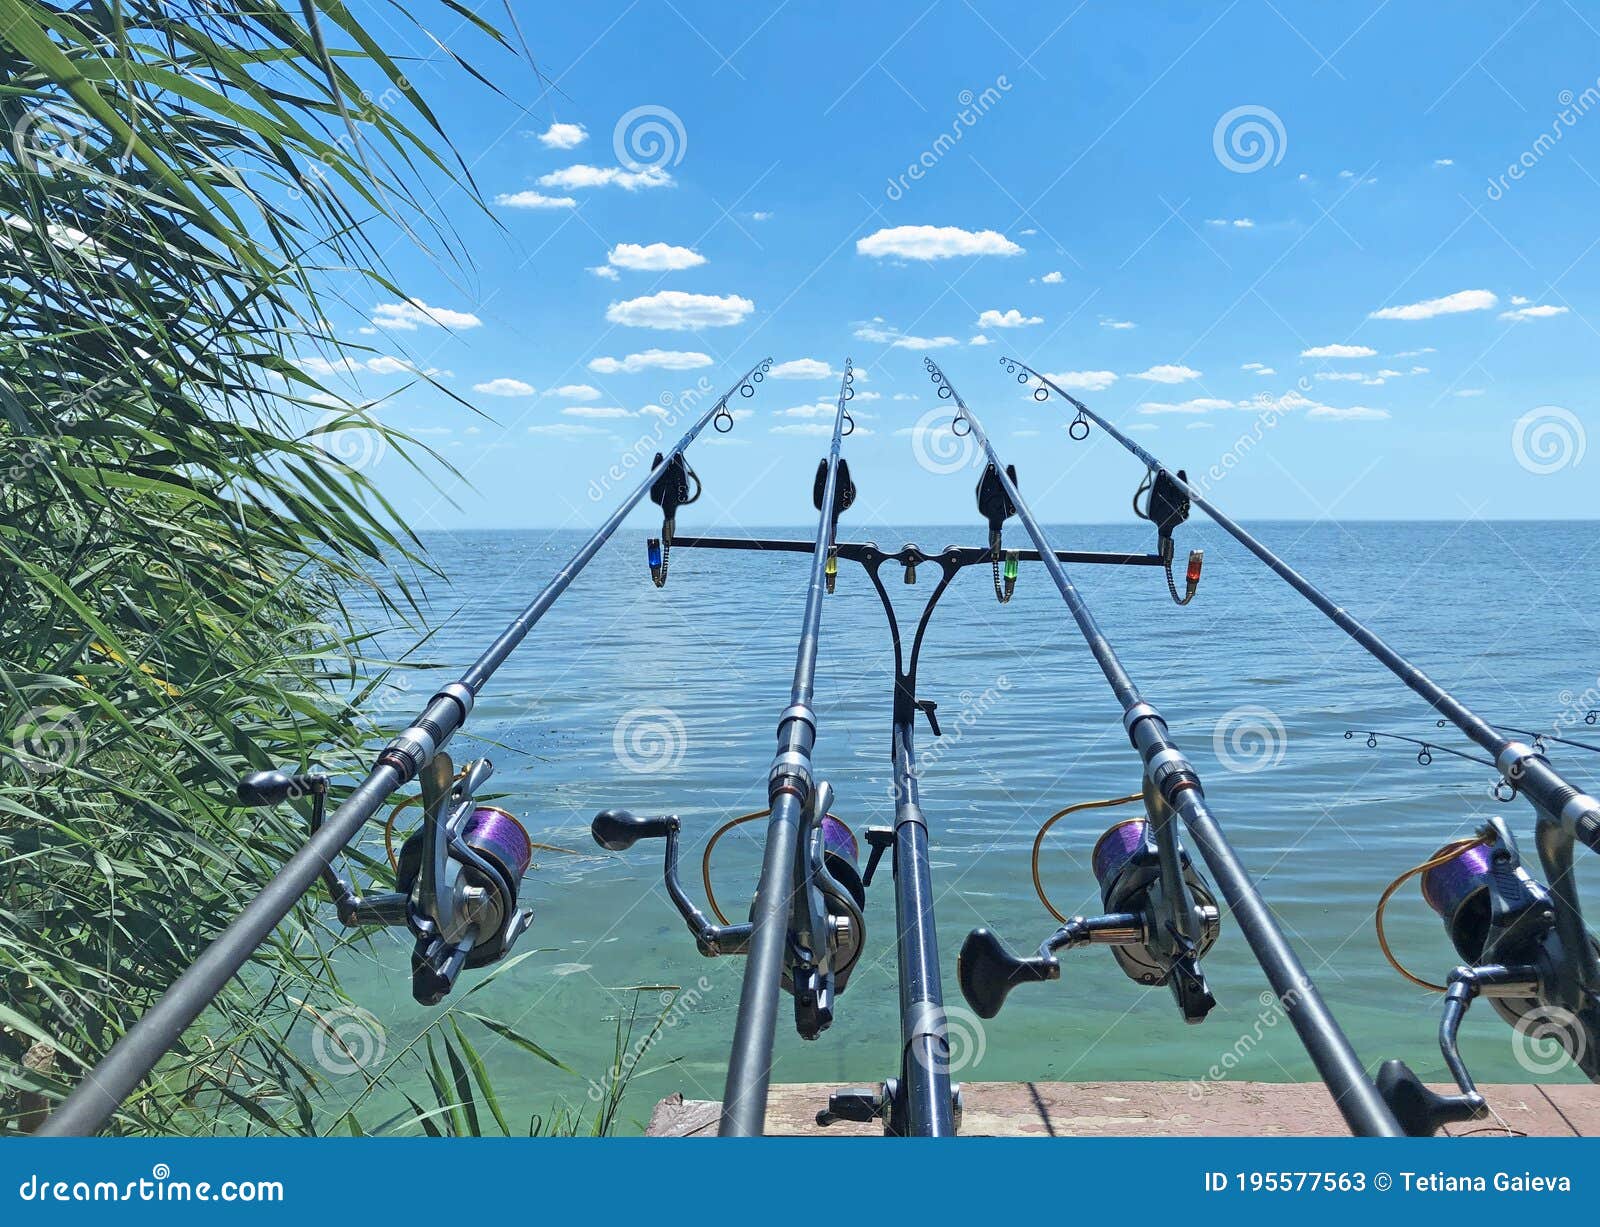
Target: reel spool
x: 496, y: 852
x: 1126, y: 863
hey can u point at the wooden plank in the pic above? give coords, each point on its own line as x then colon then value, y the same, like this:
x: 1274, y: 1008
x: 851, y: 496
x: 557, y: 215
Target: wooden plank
x: 1148, y: 1109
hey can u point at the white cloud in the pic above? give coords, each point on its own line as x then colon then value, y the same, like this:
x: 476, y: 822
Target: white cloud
x: 904, y: 396
x: 1119, y: 325
x: 1238, y: 223
x: 880, y: 334
x: 1260, y: 368
x: 760, y: 216
x: 1361, y: 377
x: 980, y: 339
x: 575, y: 391
x: 380, y: 365
x: 935, y: 243
x: 802, y: 368
x: 605, y: 272
x: 1444, y: 161
x: 1355, y: 413
x: 1338, y: 351
x: 1053, y: 278
x: 1010, y: 318
x: 565, y: 430
x: 662, y: 359
x: 1450, y: 304
x: 1083, y: 381
x: 581, y: 176
x: 1416, y: 353
x: 409, y: 315
x: 1541, y: 312
x: 676, y: 311
x: 822, y: 408
x: 504, y: 387
x: 654, y: 257
x: 563, y: 136
x: 533, y: 200
x: 1167, y: 374
x: 595, y: 411
x: 1200, y: 404
x: 1517, y: 300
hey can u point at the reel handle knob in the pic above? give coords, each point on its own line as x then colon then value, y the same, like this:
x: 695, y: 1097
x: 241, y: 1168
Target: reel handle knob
x: 987, y: 971
x: 1420, y: 1110
x: 274, y: 787
x: 617, y: 830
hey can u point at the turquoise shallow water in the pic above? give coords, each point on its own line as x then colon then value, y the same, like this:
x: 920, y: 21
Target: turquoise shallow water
x: 1323, y: 822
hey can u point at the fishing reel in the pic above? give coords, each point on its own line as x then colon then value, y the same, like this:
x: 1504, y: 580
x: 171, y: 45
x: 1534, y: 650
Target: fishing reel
x: 828, y: 927
x: 1503, y: 923
x: 995, y: 505
x: 669, y: 492
x: 1167, y: 506
x: 1160, y: 920
x: 456, y: 878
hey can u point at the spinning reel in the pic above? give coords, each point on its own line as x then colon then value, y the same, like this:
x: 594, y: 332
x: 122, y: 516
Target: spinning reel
x: 1160, y: 919
x: 1504, y: 923
x: 828, y: 927
x: 456, y: 879
x: 1167, y: 506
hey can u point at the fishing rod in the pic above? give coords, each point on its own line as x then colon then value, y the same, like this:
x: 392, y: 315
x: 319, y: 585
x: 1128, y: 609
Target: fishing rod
x: 1159, y: 910
x: 456, y: 882
x: 806, y: 927
x: 919, y: 1099
x: 1568, y: 964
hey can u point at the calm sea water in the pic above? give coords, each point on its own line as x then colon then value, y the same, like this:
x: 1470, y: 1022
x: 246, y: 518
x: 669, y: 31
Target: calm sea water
x: 666, y: 701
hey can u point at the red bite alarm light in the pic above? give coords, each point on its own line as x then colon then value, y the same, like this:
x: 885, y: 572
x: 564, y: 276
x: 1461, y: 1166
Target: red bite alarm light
x: 1191, y: 577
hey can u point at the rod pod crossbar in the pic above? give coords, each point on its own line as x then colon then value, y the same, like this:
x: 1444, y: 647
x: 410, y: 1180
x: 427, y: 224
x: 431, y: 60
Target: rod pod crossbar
x: 1177, y: 783
x: 133, y: 1056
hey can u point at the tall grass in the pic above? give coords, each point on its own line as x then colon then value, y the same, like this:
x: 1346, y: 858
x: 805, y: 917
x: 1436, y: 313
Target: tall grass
x: 177, y: 536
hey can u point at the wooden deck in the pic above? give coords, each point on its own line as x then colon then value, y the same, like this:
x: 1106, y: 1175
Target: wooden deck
x: 1149, y: 1109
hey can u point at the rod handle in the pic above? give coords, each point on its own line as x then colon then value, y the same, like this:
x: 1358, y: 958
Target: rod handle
x: 987, y: 972
x: 617, y: 830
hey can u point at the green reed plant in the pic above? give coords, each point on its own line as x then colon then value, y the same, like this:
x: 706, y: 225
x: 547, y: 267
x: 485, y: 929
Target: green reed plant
x: 183, y: 518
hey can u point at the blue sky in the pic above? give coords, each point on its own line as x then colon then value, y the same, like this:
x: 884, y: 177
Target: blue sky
x: 1290, y: 222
